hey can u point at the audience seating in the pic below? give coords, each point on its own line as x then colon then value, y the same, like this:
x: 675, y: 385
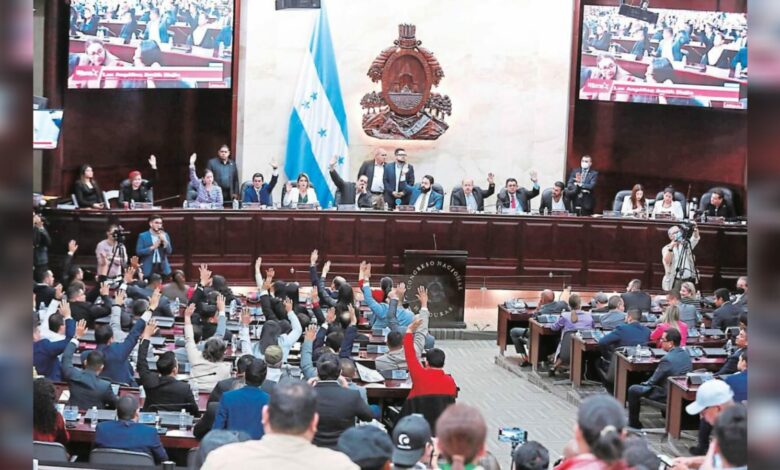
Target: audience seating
x: 120, y: 457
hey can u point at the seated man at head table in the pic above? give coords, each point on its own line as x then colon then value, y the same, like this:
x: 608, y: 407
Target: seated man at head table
x: 351, y: 193
x: 547, y: 306
x: 260, y: 191
x: 719, y: 207
x: 422, y: 196
x: 87, y: 388
x: 559, y: 199
x: 472, y: 196
x: 127, y: 434
x: 517, y: 198
x: 675, y: 362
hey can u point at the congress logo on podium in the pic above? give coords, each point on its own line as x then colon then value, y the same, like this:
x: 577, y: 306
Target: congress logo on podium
x: 406, y: 108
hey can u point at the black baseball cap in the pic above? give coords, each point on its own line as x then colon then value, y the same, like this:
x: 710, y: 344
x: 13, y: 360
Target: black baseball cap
x: 410, y: 435
x: 367, y: 446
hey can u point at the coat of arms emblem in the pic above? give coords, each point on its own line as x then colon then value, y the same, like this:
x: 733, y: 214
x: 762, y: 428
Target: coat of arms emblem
x: 406, y: 108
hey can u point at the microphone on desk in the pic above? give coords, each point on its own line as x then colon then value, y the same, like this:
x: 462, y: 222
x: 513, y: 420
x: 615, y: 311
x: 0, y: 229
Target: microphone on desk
x: 198, y: 376
x: 167, y: 199
x: 162, y: 405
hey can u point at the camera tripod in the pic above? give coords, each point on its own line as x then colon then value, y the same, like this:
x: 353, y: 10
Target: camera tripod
x: 119, y: 249
x: 686, y: 252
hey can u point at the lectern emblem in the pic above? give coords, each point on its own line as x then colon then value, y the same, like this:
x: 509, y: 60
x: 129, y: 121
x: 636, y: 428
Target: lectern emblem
x: 406, y: 108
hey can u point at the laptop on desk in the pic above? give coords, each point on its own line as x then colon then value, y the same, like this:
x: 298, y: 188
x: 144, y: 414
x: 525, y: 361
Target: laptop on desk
x: 377, y: 348
x: 164, y: 322
x: 544, y: 319
x: 715, y: 352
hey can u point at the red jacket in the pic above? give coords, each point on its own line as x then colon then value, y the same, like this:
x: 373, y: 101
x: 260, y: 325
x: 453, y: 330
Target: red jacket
x: 426, y: 381
x: 376, y: 293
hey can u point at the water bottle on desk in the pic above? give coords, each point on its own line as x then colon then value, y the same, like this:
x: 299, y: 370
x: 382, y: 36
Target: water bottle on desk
x: 182, y: 420
x: 194, y: 389
x: 132, y: 203
x: 93, y: 420
x: 175, y: 305
x: 234, y: 344
x: 235, y: 204
x: 729, y: 347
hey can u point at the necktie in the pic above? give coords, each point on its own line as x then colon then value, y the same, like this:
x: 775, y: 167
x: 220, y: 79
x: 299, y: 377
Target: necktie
x: 258, y: 194
x: 400, y: 173
x: 514, y: 202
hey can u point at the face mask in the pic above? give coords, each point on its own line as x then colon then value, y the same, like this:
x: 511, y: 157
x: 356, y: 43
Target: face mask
x: 740, y: 291
x: 584, y: 165
x: 678, y: 236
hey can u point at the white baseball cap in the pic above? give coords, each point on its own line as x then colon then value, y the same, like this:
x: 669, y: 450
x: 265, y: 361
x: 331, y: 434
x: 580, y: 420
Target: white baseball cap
x: 711, y: 393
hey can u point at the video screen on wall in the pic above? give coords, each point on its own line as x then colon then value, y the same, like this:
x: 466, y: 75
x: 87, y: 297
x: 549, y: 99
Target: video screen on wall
x: 685, y: 58
x: 150, y: 44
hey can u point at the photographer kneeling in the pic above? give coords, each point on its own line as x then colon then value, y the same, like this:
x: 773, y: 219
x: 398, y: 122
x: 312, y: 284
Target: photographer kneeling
x: 677, y: 256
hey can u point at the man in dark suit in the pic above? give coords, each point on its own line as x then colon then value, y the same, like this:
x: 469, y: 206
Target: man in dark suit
x: 145, y: 289
x: 43, y: 288
x: 154, y: 248
x: 629, y: 333
x: 635, y: 298
x: 46, y: 352
x: 87, y: 389
x: 337, y: 406
x: 719, y: 207
x: 84, y: 310
x: 235, y: 382
x: 472, y: 196
x: 126, y: 434
x: 601, y: 39
x: 351, y: 193
x: 225, y: 172
x: 740, y: 298
x: 260, y: 191
x: 556, y: 200
x: 163, y: 391
x: 117, y: 366
x: 91, y: 22
x: 398, y: 172
x: 580, y: 186
x: 241, y: 409
x: 726, y: 314
x: 374, y: 170
x: 730, y: 366
x: 423, y: 197
x: 516, y: 198
x: 130, y: 27
x: 675, y: 362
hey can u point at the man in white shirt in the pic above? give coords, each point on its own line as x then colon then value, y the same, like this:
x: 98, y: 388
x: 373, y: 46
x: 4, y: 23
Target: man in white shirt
x: 374, y: 171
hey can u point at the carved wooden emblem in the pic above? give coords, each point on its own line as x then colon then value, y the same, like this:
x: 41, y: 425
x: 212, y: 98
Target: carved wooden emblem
x: 406, y: 108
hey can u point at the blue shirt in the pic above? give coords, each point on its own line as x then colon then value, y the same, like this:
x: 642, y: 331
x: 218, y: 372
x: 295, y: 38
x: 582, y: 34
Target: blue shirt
x: 379, y: 319
x: 132, y: 436
x: 241, y: 410
x: 46, y: 353
x: 739, y: 385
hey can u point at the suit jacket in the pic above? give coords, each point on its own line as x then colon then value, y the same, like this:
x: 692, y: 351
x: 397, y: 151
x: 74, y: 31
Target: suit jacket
x: 739, y: 385
x: 730, y: 366
x: 132, y: 436
x: 127, y: 31
x: 241, y: 410
x: 553, y: 307
x: 163, y: 393
x: 338, y: 408
x: 675, y: 362
x: 638, y: 300
x: 627, y: 334
x: 522, y: 195
x: 41, y: 242
x: 367, y: 168
x: 43, y: 293
x: 86, y: 388
x: 546, y: 202
x: 145, y: 252
x: 725, y: 210
x: 390, y: 179
x: 435, y: 200
x: 115, y: 356
x: 89, y: 311
x: 140, y: 291
x: 348, y: 191
x: 266, y: 198
x: 46, y: 353
x: 583, y: 194
x: 725, y: 316
x: 224, y: 386
x: 458, y: 197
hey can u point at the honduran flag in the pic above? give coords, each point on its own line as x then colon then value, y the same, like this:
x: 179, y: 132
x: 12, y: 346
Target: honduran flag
x: 318, y: 123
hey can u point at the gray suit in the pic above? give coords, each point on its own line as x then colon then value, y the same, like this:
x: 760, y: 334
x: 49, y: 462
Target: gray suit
x: 86, y: 388
x: 612, y: 319
x: 675, y: 362
x: 689, y: 315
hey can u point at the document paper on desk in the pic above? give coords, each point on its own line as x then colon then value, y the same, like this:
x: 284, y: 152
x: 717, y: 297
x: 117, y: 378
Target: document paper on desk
x: 368, y: 375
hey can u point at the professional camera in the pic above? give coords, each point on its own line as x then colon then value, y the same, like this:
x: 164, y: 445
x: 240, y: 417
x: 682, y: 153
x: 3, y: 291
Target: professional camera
x: 686, y: 230
x: 120, y: 234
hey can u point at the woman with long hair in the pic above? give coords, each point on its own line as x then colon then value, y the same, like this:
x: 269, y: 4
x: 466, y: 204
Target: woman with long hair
x: 302, y: 193
x: 670, y: 319
x: 460, y: 437
x: 635, y: 203
x: 208, y: 191
x: 599, y: 435
x: 668, y: 205
x: 88, y: 193
x: 48, y: 423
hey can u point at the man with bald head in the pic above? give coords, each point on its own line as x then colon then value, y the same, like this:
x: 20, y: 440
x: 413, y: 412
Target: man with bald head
x: 374, y: 171
x: 472, y: 196
x: 520, y: 336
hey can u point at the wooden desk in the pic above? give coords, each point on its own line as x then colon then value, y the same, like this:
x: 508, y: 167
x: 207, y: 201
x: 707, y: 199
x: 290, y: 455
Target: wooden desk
x: 508, y: 319
x: 543, y: 342
x: 680, y: 394
x: 579, y: 349
x: 629, y: 373
x: 172, y: 439
x: 537, y: 245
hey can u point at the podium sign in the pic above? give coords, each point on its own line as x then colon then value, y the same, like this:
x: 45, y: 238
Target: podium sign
x: 443, y: 273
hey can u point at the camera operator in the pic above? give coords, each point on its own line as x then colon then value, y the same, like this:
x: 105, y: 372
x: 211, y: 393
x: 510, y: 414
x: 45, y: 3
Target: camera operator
x: 677, y: 256
x: 111, y: 253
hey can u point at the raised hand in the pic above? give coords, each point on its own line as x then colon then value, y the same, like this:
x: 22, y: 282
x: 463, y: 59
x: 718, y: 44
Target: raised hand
x: 188, y: 313
x: 246, y: 316
x: 220, y: 303
x: 149, y: 330
x: 205, y: 275
x: 534, y: 176
x: 400, y: 290
x: 368, y: 270
x: 119, y: 297
x: 315, y: 297
x: 288, y: 305
x: 153, y: 161
x: 104, y: 288
x: 414, y: 325
x: 135, y: 262
x: 154, y: 300
x: 361, y: 274
x: 311, y: 333
x: 315, y: 255
x: 326, y: 269
x: 72, y: 247
x: 491, y: 178
x: 129, y: 274
x: 258, y: 263
x: 422, y: 296
x: 352, y: 317
x: 64, y: 309
x: 193, y: 158
x: 333, y: 162
x: 330, y: 316
x: 81, y: 328
x: 58, y: 292
x: 274, y: 164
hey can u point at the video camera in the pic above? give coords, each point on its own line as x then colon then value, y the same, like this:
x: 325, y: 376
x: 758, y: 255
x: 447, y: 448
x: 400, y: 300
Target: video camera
x: 120, y: 234
x: 686, y: 230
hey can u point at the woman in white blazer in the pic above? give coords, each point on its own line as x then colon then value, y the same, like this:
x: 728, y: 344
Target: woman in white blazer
x: 635, y: 203
x: 668, y: 205
x: 302, y: 193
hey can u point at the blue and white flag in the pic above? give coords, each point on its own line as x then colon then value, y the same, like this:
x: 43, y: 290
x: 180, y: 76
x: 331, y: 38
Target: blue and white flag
x: 318, y: 124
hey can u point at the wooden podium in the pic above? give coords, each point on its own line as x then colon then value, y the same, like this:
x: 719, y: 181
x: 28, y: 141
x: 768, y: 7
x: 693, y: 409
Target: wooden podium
x: 443, y: 273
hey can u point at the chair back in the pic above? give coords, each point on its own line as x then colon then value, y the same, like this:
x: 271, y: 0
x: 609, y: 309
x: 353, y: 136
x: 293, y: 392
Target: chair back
x: 49, y: 451
x: 438, y: 188
x: 679, y: 197
x: 192, y: 456
x: 120, y: 457
x: 430, y: 406
x: 75, y: 201
x: 565, y: 353
x: 617, y: 205
x: 108, y: 195
x: 337, y: 198
x: 244, y: 185
x: 192, y: 193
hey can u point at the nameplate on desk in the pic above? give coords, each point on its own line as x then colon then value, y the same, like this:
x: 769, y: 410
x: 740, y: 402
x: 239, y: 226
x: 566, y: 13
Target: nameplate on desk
x: 612, y: 214
x: 142, y: 205
x: 510, y: 211
x: 251, y: 205
x: 459, y: 209
x: 562, y: 213
x: 305, y: 207
x: 664, y: 216
x: 347, y: 207
x: 698, y: 378
x: 716, y: 220
x: 712, y: 332
x: 405, y: 208
x: 164, y: 322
